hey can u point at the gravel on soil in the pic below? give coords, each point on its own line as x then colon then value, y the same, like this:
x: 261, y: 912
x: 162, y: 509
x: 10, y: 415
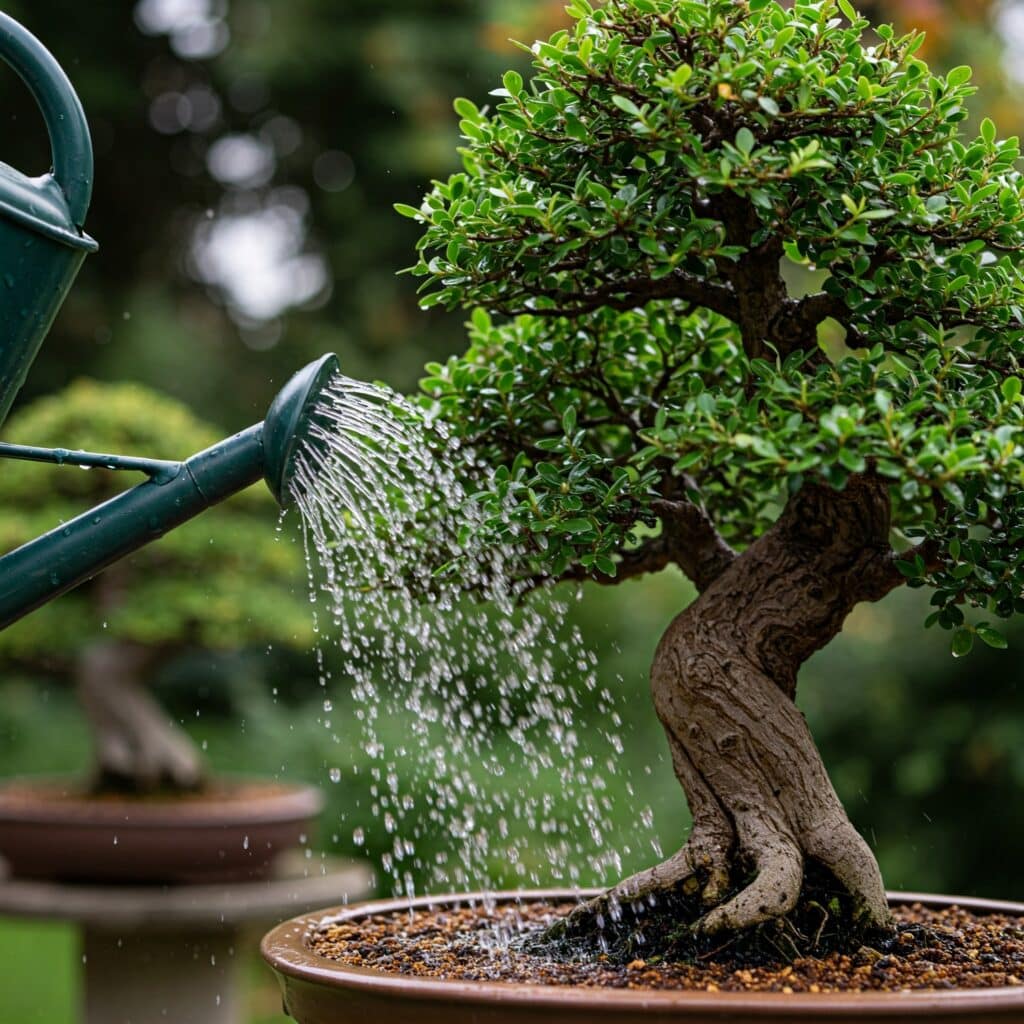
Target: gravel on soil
x: 933, y: 949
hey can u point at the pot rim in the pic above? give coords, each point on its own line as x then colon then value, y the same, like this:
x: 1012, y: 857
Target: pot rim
x: 284, y: 802
x: 285, y: 949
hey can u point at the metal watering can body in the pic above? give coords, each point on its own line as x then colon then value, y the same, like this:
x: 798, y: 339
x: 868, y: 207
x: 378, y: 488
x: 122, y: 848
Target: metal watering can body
x: 42, y: 243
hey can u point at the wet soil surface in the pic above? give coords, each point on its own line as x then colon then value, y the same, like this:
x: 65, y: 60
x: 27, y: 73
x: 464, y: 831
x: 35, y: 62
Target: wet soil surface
x: 931, y: 949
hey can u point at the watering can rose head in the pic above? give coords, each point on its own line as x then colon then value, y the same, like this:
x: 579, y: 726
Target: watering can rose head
x: 741, y: 282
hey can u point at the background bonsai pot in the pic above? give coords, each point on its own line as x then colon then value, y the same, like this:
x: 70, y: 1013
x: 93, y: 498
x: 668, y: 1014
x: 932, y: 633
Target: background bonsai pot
x: 319, y: 991
x: 230, y: 831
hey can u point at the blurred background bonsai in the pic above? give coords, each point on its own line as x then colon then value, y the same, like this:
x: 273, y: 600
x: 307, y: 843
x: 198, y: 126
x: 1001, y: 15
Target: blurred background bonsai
x: 221, y: 586
x: 248, y: 156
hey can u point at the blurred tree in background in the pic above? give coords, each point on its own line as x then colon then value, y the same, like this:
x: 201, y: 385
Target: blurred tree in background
x: 248, y: 156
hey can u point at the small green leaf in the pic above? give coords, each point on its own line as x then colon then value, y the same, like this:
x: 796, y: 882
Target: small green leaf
x: 988, y: 131
x: 513, y: 81
x: 681, y: 75
x: 577, y: 526
x: 959, y: 75
x: 768, y: 105
x: 849, y: 13
x: 992, y: 637
x: 408, y: 211
x: 852, y: 461
x: 650, y: 246
x: 1011, y: 388
x: 745, y: 141
x: 626, y: 104
x: 963, y: 642
x: 784, y: 36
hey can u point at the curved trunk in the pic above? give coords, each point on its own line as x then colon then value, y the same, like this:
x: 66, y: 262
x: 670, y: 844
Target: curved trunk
x: 138, y: 747
x: 723, y: 682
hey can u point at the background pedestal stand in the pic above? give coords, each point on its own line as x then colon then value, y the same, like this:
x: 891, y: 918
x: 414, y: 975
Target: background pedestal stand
x: 173, y: 953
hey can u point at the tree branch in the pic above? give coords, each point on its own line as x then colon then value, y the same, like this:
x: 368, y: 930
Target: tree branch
x: 629, y: 294
x: 881, y: 576
x: 653, y: 555
x: 688, y: 539
x: 693, y: 542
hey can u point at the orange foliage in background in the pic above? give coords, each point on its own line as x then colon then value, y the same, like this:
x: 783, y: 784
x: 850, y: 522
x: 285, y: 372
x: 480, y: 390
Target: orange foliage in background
x: 939, y: 19
x: 525, y: 21
x: 962, y: 32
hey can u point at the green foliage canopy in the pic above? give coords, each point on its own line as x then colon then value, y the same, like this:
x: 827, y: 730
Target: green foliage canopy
x: 221, y: 581
x: 637, y: 229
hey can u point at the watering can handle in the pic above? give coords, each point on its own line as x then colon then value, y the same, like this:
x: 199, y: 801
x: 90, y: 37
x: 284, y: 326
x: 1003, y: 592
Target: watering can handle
x: 70, y: 142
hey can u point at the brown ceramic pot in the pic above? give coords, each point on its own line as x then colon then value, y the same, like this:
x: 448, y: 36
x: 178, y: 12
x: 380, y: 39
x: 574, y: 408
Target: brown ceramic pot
x: 319, y: 991
x: 232, y: 831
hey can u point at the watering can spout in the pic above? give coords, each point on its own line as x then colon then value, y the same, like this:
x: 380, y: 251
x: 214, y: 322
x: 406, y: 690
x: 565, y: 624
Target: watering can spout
x: 72, y: 553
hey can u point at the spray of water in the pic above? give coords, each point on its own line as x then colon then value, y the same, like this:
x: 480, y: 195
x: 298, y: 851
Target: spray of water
x: 386, y: 498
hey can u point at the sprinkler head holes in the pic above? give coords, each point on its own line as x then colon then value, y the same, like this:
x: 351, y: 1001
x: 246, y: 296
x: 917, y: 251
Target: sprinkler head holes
x: 288, y: 420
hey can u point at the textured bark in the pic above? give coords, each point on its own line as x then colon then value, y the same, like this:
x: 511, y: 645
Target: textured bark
x: 137, y: 746
x: 723, y: 682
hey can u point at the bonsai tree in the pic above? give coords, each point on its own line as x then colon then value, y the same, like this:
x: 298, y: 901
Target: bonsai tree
x: 744, y: 302
x: 219, y: 583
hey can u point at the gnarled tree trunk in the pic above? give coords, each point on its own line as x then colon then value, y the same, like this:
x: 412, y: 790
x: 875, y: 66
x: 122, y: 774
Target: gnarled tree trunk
x: 724, y: 681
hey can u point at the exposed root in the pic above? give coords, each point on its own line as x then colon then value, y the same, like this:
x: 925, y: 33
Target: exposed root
x: 700, y: 868
x: 773, y: 892
x: 670, y: 924
x: 854, y: 865
x: 783, y: 892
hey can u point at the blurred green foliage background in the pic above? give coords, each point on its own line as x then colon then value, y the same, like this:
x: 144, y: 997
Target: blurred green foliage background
x: 248, y: 156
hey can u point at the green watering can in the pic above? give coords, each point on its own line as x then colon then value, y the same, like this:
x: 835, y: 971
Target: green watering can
x: 42, y: 245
